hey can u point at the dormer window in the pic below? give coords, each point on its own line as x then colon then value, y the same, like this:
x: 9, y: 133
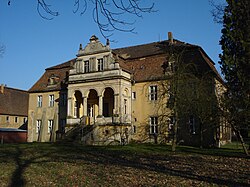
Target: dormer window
x: 53, y: 79
x: 100, y: 64
x: 86, y: 66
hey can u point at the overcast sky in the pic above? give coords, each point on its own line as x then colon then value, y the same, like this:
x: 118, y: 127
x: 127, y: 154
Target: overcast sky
x: 34, y: 44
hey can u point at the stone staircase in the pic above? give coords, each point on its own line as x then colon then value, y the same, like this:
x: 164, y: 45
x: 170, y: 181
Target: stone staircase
x: 79, y: 132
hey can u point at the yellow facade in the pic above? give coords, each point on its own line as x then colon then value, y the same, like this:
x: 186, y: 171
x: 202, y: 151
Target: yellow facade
x: 47, y: 113
x: 113, y: 96
x: 12, y: 121
x: 143, y: 108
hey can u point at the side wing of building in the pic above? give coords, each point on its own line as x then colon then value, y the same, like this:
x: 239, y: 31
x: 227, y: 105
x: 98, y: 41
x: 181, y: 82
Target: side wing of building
x: 13, y: 108
x: 48, y: 104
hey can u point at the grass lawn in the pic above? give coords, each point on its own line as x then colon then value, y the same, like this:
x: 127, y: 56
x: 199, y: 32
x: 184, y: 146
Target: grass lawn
x: 44, y: 164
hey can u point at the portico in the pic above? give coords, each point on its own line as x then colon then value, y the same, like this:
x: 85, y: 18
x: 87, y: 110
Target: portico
x: 97, y: 94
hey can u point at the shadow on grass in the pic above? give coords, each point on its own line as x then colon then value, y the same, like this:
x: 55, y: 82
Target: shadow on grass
x: 124, y: 157
x: 225, y: 152
x: 22, y: 162
x: 142, y: 157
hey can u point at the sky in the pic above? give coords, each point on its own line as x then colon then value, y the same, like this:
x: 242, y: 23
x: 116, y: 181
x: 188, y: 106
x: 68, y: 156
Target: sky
x: 33, y: 44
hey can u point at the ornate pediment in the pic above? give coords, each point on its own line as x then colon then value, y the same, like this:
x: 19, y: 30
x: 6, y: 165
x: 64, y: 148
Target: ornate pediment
x: 93, y: 47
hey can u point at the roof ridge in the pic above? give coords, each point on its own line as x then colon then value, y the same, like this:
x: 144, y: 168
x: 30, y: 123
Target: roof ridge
x: 150, y: 43
x: 60, y: 66
x: 16, y: 89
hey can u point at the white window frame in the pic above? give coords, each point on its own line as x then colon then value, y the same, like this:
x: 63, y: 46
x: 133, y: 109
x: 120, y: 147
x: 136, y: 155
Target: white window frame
x: 75, y: 109
x: 133, y: 95
x: 100, y: 64
x: 153, y: 125
x: 38, y: 125
x: 86, y: 66
x: 50, y: 126
x: 153, y: 92
x: 39, y: 101
x: 125, y: 106
x: 51, y: 100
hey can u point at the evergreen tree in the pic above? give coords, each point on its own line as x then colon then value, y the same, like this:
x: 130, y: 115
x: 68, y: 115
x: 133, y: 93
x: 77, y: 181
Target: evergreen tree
x: 235, y: 63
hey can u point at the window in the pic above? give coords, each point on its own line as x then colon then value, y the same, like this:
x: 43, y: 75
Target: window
x: 50, y: 126
x: 39, y: 100
x: 38, y: 125
x: 90, y: 110
x: 76, y: 109
x: 64, y: 99
x: 7, y: 119
x: 192, y: 124
x: 16, y: 119
x: 171, y: 125
x: 153, y: 124
x: 152, y: 93
x: 86, y: 66
x: 133, y: 95
x: 51, y: 100
x: 125, y: 106
x: 100, y: 64
x: 24, y: 120
x: 134, y: 129
x: 171, y: 66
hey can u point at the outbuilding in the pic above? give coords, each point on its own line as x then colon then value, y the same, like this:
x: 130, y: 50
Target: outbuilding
x: 11, y: 135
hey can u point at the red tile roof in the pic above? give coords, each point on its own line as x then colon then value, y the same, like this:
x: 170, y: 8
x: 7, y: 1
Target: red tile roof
x: 143, y: 61
x: 59, y: 72
x: 14, y: 102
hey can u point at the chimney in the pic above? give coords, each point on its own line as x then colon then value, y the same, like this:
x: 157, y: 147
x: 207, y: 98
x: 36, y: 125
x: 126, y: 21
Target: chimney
x: 2, y: 89
x: 107, y: 42
x: 80, y: 47
x: 170, y: 37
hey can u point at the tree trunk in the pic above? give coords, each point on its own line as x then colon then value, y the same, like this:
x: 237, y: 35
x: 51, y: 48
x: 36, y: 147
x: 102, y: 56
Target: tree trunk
x: 237, y: 132
x: 174, y: 142
x: 201, y: 135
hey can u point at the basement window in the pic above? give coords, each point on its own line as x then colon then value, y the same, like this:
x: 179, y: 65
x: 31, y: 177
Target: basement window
x: 7, y: 119
x: 16, y: 119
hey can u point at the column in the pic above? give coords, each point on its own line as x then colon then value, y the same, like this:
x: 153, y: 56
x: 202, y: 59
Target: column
x: 70, y: 106
x: 85, y: 103
x: 116, y: 104
x: 100, y: 107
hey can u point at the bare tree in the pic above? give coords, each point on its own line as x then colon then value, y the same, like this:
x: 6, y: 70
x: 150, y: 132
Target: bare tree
x: 106, y: 14
x: 217, y: 11
x: 185, y: 92
x: 2, y: 50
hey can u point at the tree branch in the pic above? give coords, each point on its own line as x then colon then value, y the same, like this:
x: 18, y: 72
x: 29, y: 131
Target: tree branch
x: 106, y: 14
x: 217, y: 11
